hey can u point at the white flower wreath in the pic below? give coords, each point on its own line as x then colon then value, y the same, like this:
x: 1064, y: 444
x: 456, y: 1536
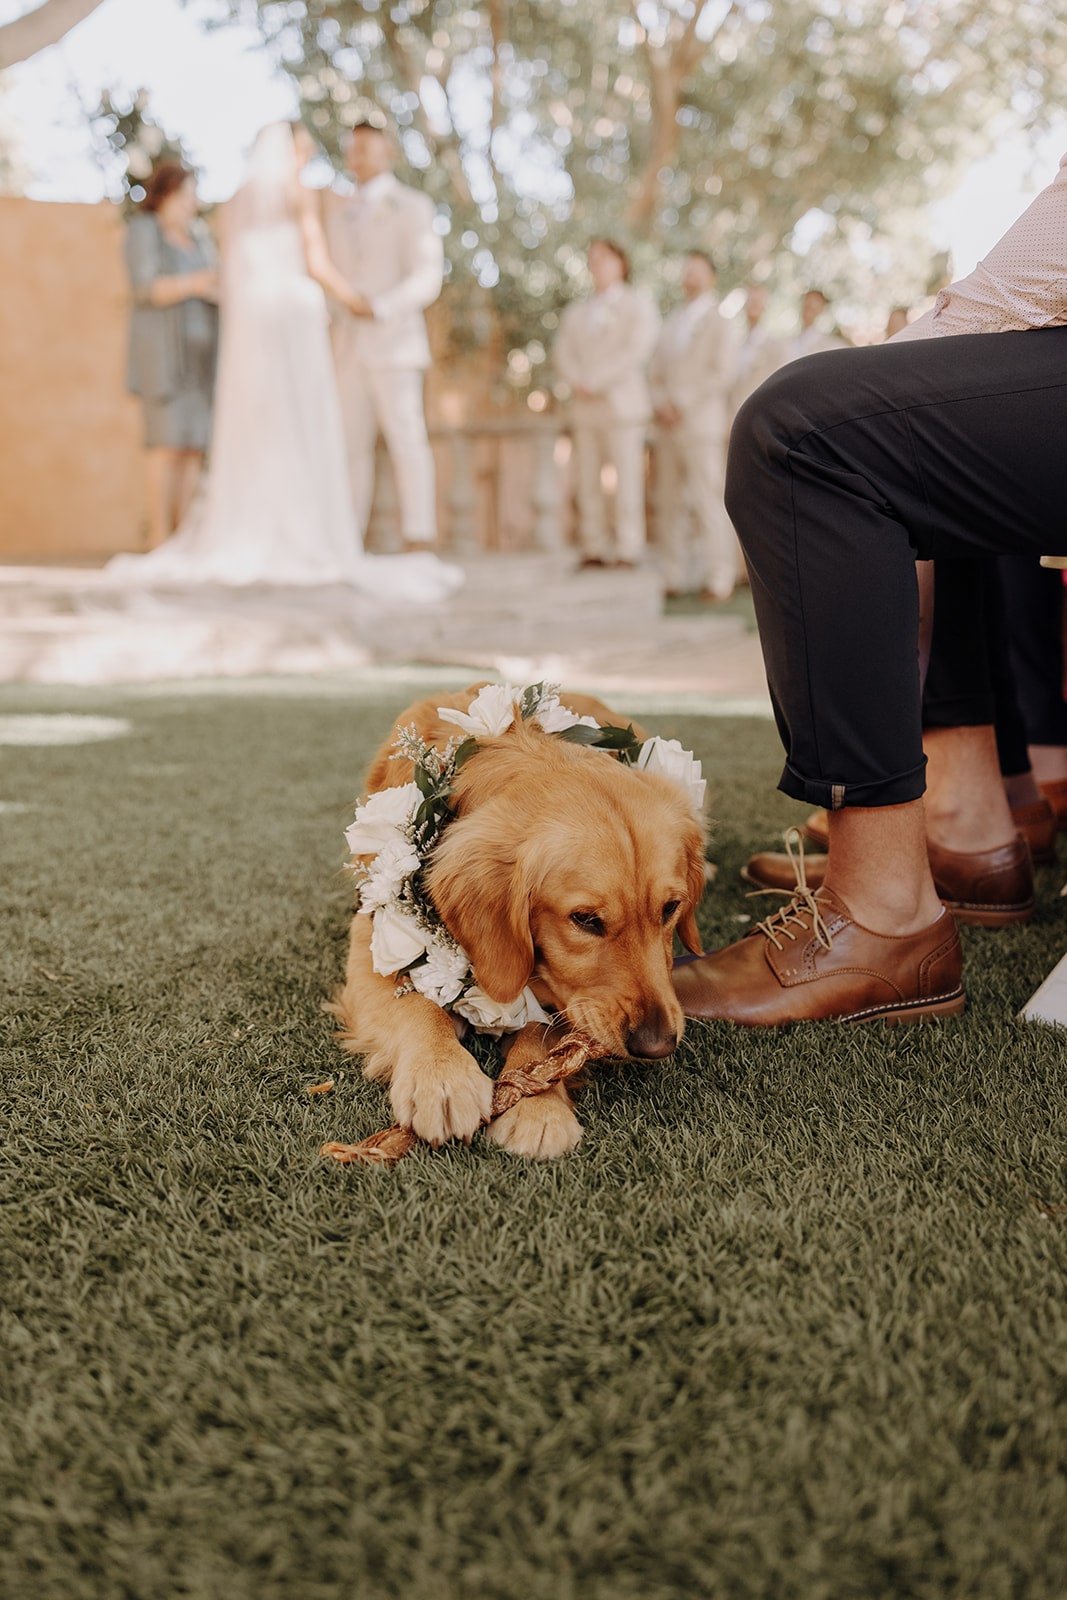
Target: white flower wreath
x: 395, y: 831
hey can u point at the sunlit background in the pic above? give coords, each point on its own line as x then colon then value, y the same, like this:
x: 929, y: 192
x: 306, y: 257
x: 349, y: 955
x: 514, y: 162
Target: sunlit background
x: 213, y: 87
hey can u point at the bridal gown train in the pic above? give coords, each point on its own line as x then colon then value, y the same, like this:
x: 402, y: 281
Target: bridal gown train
x: 277, y: 509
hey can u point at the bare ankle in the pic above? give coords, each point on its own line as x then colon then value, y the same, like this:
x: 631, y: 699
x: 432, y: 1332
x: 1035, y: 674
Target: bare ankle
x: 970, y: 827
x: 879, y: 868
x: 1049, y: 762
x: 966, y: 807
x: 881, y: 907
x: 1022, y: 790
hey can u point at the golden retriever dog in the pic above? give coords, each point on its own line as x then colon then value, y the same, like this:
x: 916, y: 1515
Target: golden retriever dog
x: 564, y: 870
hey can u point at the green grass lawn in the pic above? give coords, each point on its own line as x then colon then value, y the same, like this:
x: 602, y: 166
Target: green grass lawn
x: 791, y: 1324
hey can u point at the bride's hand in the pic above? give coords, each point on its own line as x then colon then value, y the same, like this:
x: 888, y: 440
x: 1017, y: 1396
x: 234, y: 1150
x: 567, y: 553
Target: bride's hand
x: 359, y: 305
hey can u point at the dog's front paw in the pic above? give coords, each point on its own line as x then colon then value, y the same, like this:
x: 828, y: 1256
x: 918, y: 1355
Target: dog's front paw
x: 540, y: 1127
x: 444, y: 1097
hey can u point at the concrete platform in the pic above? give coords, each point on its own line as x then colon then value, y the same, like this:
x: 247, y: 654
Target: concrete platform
x: 521, y: 616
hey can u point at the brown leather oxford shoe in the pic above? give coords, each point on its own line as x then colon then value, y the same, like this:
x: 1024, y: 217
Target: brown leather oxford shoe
x: 1055, y: 792
x: 811, y: 962
x: 1038, y: 823
x: 987, y: 888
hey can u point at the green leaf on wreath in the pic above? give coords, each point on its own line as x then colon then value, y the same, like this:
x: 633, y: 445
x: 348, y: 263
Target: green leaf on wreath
x: 580, y: 734
x: 463, y: 753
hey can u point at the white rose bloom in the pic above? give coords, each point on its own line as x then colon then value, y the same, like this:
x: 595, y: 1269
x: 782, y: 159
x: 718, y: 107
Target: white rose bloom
x: 396, y: 941
x: 492, y: 1017
x: 395, y: 861
x: 554, y: 718
x: 381, y: 819
x: 490, y: 713
x: 441, y: 976
x: 667, y: 757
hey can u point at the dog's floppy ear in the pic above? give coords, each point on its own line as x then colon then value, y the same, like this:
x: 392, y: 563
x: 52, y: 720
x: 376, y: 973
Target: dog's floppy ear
x: 479, y: 886
x: 695, y: 883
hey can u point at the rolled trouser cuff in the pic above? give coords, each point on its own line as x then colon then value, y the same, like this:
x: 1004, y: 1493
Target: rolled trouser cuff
x: 894, y: 791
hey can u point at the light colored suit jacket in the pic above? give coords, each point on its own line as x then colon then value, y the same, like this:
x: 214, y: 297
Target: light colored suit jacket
x: 694, y: 366
x: 759, y: 355
x: 812, y: 342
x: 604, y: 344
x: 384, y: 243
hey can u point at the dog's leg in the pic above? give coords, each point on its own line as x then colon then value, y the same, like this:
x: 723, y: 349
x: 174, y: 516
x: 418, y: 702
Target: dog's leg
x: 435, y: 1086
x: 541, y: 1126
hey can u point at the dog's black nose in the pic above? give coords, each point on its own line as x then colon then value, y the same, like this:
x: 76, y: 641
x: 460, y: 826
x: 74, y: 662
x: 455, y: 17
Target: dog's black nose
x: 652, y: 1039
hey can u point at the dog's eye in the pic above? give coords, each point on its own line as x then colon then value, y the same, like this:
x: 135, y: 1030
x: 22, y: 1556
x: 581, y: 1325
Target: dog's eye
x: 670, y: 908
x: 589, y: 922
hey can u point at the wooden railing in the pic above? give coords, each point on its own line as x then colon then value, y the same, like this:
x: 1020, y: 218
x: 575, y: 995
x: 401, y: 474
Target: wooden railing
x: 501, y: 485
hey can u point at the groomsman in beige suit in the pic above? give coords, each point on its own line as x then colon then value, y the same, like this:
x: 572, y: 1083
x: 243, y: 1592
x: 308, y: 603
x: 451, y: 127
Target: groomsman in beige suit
x: 760, y: 353
x: 602, y: 352
x: 383, y: 241
x: 692, y: 372
x: 818, y: 330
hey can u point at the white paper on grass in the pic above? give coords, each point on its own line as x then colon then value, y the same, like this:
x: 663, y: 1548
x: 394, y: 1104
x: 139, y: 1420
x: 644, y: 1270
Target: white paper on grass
x: 1048, y: 1004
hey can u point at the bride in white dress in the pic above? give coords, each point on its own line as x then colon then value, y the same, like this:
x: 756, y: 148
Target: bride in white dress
x: 277, y: 508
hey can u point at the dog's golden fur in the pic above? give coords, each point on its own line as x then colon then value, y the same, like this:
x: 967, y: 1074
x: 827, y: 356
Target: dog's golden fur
x: 543, y: 829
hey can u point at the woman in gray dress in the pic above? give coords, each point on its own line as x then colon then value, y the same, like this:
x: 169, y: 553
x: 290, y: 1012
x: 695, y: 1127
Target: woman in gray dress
x: 173, y: 339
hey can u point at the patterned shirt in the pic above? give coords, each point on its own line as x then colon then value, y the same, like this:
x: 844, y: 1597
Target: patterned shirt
x: 1022, y: 283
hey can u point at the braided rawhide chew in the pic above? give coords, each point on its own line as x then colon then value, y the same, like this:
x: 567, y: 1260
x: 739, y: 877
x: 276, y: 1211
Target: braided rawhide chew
x: 563, y: 1062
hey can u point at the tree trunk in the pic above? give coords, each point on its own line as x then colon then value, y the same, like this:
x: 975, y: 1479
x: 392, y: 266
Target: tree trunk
x: 664, y: 145
x: 44, y: 25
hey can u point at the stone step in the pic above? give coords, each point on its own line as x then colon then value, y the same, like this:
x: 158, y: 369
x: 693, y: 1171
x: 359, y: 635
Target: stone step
x: 105, y: 649
x: 498, y: 589
x: 525, y: 615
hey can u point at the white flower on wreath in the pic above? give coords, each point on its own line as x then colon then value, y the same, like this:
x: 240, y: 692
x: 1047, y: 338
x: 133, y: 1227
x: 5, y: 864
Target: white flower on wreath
x: 382, y: 818
x: 556, y: 718
x: 442, y: 975
x: 396, y: 861
x: 396, y: 940
x: 490, y: 713
x: 670, y: 760
x: 494, y: 1017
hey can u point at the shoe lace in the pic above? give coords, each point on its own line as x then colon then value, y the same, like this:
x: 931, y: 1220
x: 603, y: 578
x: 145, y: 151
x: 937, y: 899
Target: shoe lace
x: 801, y: 911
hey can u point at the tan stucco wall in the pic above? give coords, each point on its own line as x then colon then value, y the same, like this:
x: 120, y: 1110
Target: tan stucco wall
x: 70, y: 464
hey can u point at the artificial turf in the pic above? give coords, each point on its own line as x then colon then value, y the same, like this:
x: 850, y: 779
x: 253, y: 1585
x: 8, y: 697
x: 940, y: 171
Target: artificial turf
x: 790, y: 1323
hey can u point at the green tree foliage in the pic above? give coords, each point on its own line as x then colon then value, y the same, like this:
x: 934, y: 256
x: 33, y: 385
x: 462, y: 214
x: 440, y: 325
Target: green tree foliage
x: 720, y: 123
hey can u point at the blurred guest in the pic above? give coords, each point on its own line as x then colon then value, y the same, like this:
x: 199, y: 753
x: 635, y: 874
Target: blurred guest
x: 818, y: 331
x: 383, y: 241
x: 173, y: 339
x: 759, y: 353
x: 692, y: 370
x: 602, y: 353
x: 898, y: 319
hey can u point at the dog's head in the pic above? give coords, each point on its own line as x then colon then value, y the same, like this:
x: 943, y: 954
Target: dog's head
x: 570, y: 873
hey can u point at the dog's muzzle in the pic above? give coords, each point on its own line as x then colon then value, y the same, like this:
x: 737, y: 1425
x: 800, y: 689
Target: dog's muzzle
x: 653, y: 1038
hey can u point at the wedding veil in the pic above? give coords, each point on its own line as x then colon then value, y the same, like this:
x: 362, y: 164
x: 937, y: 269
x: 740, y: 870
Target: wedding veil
x: 264, y: 197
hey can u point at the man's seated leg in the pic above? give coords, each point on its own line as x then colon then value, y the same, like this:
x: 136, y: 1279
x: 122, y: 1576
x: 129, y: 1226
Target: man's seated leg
x: 842, y: 469
x: 980, y: 865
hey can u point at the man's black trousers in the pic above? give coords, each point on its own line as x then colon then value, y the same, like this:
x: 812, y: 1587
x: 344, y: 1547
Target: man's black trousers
x: 843, y: 469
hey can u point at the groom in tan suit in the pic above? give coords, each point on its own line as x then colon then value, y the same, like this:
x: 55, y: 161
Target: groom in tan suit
x: 382, y: 239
